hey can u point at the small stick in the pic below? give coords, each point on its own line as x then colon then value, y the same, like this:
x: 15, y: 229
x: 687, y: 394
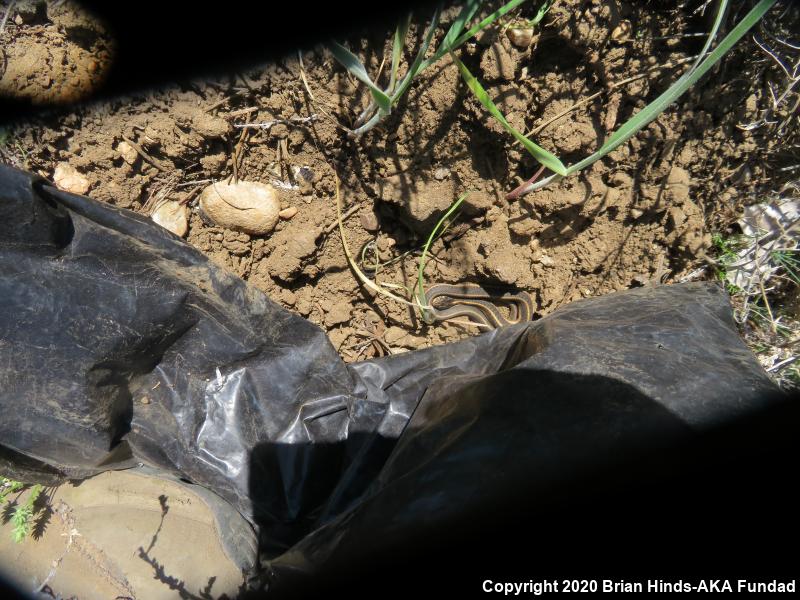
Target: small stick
x: 190, y: 183
x: 240, y: 112
x: 238, y: 153
x: 220, y: 102
x: 783, y: 363
x: 269, y: 124
x: 349, y: 213
x: 147, y: 158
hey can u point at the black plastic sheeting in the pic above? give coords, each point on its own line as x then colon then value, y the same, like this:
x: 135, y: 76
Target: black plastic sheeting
x: 101, y: 308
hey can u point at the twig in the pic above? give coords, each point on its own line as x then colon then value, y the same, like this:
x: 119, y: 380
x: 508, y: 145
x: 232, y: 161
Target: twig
x: 240, y: 112
x: 221, y: 102
x: 145, y: 156
x: 783, y: 363
x: 350, y: 212
x: 269, y: 124
x: 238, y: 153
x: 190, y: 183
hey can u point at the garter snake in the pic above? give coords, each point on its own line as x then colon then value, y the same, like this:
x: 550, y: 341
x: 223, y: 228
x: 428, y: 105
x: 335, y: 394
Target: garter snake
x: 474, y: 301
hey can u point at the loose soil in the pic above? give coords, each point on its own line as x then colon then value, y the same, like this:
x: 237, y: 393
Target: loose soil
x: 641, y: 216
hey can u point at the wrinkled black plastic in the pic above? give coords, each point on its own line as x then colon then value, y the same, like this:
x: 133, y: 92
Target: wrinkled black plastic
x: 101, y: 309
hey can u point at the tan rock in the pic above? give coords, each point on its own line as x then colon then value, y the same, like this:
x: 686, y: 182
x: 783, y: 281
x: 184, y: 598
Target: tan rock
x: 128, y: 154
x: 288, y: 213
x: 246, y: 206
x: 369, y: 221
x: 521, y: 37
x: 173, y: 217
x: 69, y: 179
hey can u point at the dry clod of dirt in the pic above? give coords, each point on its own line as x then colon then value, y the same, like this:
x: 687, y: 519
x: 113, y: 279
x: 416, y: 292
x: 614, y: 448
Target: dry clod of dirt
x: 499, y: 62
x: 173, y: 217
x: 441, y: 173
x: 286, y: 261
x: 69, y: 179
x: 338, y: 314
x: 246, y: 206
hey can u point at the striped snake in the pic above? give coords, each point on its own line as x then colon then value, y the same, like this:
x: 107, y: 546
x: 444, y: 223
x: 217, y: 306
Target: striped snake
x: 474, y: 301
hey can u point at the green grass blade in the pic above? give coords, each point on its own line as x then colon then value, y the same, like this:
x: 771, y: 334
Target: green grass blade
x: 721, y: 8
x: 444, y: 49
x: 350, y: 62
x: 422, y: 259
x: 541, y: 13
x: 464, y: 17
x: 543, y: 156
x: 657, y: 106
x: 416, y: 66
x: 397, y: 50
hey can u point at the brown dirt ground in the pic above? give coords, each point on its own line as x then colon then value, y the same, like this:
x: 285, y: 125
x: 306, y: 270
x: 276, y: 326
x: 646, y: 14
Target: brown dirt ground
x: 60, y: 54
x: 642, y: 216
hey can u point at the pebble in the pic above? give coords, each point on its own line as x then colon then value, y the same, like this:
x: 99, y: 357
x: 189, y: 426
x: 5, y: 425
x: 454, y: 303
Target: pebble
x: 128, y: 154
x: 67, y: 178
x: 172, y: 216
x: 636, y: 213
x: 441, y: 173
x: 546, y: 260
x: 247, y: 206
x: 288, y: 213
x: 521, y: 37
x: 369, y: 221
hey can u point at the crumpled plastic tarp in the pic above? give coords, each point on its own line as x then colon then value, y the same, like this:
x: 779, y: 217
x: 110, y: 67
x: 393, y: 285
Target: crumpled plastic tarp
x: 121, y: 344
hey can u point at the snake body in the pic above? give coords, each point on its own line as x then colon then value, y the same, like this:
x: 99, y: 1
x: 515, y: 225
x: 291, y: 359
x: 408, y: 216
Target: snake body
x: 475, y: 302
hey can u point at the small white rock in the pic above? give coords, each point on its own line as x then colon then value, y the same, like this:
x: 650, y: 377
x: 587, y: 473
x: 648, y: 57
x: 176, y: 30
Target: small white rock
x: 546, y: 260
x: 246, y: 206
x: 172, y: 216
x: 441, y: 173
x: 128, y: 154
x: 67, y: 178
